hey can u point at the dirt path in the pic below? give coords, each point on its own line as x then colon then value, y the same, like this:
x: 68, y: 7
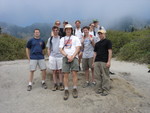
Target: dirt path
x: 129, y: 93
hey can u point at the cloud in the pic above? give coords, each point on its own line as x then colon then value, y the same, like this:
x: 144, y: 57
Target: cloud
x: 26, y: 12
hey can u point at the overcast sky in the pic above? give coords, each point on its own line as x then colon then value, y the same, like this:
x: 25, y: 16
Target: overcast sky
x: 27, y: 12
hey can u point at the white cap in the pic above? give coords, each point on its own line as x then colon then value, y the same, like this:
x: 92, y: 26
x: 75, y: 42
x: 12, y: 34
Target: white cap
x: 68, y: 26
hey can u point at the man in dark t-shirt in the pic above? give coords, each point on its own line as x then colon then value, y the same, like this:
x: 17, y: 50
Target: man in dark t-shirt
x: 34, y: 51
x: 102, y: 62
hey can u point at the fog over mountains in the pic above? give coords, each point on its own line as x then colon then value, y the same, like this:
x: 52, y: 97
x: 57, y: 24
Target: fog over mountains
x: 123, y: 24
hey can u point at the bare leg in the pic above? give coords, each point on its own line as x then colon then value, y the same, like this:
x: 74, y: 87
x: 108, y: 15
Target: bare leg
x: 44, y: 74
x: 93, y: 77
x: 75, y: 78
x: 66, y: 75
x: 54, y: 76
x: 87, y: 74
x: 60, y: 76
x: 31, y: 76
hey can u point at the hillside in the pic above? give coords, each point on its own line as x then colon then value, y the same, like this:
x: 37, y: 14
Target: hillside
x: 127, y: 46
x: 26, y: 32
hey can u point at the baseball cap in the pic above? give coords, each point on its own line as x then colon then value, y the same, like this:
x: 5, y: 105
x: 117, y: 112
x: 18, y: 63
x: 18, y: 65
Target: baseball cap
x: 101, y: 31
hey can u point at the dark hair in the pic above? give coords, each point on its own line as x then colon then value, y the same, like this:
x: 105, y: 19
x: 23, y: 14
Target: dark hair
x: 77, y: 21
x: 86, y: 27
x: 91, y: 24
x: 36, y: 29
x: 55, y: 27
x: 65, y: 22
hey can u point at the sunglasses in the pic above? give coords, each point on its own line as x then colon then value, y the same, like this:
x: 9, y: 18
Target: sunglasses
x: 57, y: 23
x: 55, y: 30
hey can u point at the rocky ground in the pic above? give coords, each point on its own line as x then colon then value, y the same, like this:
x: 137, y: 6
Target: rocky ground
x: 129, y: 92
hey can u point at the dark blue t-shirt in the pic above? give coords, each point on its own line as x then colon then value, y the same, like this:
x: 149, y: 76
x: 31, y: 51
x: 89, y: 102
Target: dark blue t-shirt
x: 36, y: 46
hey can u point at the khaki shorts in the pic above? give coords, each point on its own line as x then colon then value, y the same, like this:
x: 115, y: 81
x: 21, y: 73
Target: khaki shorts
x: 55, y: 63
x: 87, y: 63
x: 70, y: 66
x: 41, y: 63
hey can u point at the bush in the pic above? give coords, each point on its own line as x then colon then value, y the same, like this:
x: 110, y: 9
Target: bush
x: 11, y: 48
x: 131, y: 46
x: 119, y: 39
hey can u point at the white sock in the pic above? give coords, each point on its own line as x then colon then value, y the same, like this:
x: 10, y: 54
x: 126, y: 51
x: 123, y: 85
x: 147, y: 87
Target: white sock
x: 43, y: 81
x: 66, y: 88
x: 74, y: 87
x: 87, y: 81
x: 30, y: 83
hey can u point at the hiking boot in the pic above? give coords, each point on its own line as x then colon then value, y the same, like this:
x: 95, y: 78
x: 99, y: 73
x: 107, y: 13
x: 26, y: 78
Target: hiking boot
x: 148, y: 71
x: 61, y: 87
x: 86, y: 84
x: 75, y: 93
x: 55, y: 87
x: 79, y: 68
x: 104, y: 93
x: 111, y: 73
x: 29, y: 88
x: 66, y: 94
x: 99, y: 91
x: 44, y: 85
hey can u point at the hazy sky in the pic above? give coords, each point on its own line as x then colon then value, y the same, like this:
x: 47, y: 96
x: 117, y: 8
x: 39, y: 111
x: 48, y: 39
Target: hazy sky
x: 27, y: 12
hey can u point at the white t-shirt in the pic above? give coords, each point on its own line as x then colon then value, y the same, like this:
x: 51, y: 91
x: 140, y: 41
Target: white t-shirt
x: 78, y: 33
x: 91, y: 33
x: 69, y: 44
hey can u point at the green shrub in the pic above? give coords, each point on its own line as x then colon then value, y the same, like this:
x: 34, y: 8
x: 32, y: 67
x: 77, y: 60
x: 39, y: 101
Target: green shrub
x: 137, y: 50
x: 119, y: 39
x: 11, y: 48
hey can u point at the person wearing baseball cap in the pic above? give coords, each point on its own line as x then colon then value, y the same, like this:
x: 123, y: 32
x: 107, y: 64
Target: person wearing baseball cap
x: 102, y: 62
x: 69, y: 48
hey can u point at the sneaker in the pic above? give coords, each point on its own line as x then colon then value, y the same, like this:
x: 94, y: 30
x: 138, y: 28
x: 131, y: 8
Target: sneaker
x: 99, y: 91
x: 61, y: 87
x: 55, y: 87
x: 29, y: 88
x: 66, y: 94
x: 75, y: 93
x: 93, y: 84
x: 86, y: 84
x: 104, y: 93
x: 44, y: 85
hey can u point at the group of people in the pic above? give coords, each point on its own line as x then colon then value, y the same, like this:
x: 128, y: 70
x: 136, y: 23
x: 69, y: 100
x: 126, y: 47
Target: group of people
x: 67, y: 47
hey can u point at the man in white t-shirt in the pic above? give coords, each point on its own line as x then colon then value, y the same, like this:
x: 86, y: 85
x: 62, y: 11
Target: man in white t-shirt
x: 69, y: 47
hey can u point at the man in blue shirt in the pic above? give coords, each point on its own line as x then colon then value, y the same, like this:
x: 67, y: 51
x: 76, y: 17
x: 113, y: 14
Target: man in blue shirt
x: 34, y: 52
